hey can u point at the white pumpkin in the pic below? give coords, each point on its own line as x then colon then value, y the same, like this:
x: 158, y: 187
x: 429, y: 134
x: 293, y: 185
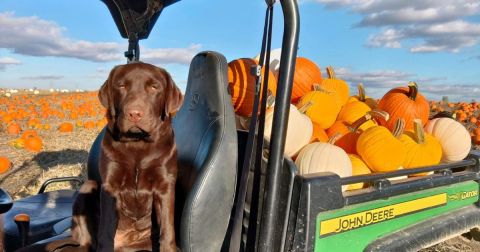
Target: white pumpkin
x: 453, y: 136
x: 274, y: 60
x: 299, y: 130
x: 324, y: 157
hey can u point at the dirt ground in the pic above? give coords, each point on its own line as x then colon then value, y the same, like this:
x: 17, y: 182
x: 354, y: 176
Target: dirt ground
x: 65, y: 154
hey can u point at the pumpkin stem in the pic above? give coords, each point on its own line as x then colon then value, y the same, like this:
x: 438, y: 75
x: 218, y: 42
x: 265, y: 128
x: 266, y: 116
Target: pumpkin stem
x: 334, y: 138
x: 331, y: 73
x: 361, y: 92
x: 305, y: 106
x: 379, y: 114
x: 399, y: 127
x: 317, y: 87
x: 412, y: 90
x: 419, y: 131
x: 359, y: 122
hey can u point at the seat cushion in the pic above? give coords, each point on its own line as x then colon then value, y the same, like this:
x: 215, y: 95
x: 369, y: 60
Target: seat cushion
x: 206, y: 140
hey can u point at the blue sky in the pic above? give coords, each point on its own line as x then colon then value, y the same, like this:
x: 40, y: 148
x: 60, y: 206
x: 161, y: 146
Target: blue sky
x: 381, y: 43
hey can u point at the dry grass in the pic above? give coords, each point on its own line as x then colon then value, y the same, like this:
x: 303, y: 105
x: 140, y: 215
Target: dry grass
x: 64, y: 154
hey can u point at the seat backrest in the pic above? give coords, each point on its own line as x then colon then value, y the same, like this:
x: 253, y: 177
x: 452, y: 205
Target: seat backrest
x: 206, y: 140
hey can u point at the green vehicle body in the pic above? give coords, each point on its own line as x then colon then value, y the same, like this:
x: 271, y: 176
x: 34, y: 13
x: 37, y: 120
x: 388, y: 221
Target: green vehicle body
x: 353, y: 227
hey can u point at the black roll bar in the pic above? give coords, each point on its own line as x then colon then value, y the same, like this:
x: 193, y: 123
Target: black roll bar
x: 272, y: 226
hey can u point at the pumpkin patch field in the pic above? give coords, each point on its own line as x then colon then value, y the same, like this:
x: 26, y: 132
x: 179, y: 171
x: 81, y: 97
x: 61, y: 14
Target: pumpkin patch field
x: 46, y: 135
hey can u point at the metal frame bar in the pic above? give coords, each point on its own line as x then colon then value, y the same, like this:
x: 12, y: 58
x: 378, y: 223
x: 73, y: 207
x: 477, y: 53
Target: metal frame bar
x: 270, y: 238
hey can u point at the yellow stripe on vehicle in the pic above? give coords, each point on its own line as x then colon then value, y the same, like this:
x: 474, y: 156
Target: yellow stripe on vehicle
x: 361, y: 219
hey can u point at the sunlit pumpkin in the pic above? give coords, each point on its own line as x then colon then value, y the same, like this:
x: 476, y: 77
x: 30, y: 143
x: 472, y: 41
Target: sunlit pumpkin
x: 406, y: 103
x: 338, y: 86
x: 324, y: 157
x: 14, y: 128
x: 306, y: 74
x: 241, y: 85
x: 381, y: 150
x: 320, y: 105
x: 422, y: 148
x: 319, y: 134
x: 89, y: 125
x: 34, y: 144
x: 348, y: 140
x: 65, y: 127
x: 275, y: 55
x: 299, y: 130
x: 353, y: 111
x: 338, y: 127
x: 5, y: 164
x: 453, y: 137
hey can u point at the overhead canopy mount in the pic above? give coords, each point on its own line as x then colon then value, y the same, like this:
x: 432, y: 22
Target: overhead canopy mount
x: 135, y: 20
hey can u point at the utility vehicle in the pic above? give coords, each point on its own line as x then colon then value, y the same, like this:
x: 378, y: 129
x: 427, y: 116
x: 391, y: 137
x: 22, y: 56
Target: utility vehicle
x: 239, y: 193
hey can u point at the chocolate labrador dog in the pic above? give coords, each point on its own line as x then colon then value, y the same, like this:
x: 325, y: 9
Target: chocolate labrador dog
x: 138, y: 165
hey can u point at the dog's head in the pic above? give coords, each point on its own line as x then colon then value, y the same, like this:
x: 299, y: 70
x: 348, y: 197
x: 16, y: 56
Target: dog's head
x: 139, y: 98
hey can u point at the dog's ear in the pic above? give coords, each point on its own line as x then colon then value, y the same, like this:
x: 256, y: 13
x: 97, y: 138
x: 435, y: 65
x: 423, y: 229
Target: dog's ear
x: 106, y: 97
x: 103, y: 94
x: 173, y: 96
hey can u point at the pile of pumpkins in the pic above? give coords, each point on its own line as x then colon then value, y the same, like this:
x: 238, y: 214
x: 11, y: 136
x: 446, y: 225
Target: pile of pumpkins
x: 331, y: 130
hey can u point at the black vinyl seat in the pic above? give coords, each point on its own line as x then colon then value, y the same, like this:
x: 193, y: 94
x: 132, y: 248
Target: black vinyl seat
x: 206, y: 139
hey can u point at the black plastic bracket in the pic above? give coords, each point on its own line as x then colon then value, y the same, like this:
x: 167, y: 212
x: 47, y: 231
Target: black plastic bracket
x: 133, y: 53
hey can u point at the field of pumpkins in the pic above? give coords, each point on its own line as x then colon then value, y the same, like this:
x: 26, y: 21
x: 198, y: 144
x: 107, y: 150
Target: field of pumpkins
x: 334, y: 127
x: 28, y: 120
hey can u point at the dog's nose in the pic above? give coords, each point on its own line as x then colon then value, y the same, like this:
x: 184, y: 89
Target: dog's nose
x: 134, y: 115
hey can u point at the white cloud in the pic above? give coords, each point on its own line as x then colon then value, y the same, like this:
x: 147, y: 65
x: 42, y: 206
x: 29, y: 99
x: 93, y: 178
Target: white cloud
x: 5, y: 61
x: 164, y: 55
x: 34, y: 36
x: 43, y: 77
x: 430, y: 25
x: 377, y: 83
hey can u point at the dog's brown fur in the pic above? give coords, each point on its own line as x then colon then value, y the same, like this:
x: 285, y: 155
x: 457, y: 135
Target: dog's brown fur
x: 138, y: 162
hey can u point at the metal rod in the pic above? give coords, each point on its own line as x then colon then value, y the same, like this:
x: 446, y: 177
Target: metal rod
x: 405, y: 172
x: 272, y: 224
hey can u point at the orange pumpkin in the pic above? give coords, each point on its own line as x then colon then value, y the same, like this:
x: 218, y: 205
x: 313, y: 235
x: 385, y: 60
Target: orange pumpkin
x: 89, y: 125
x: 319, y: 134
x: 340, y: 127
x: 475, y: 137
x: 307, y: 74
x: 406, y: 103
x: 340, y: 87
x: 241, y: 85
x: 65, y: 127
x: 34, y: 144
x: 13, y: 128
x: 353, y: 111
x: 348, y: 141
x: 4, y: 164
x: 320, y: 106
x: 29, y: 134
